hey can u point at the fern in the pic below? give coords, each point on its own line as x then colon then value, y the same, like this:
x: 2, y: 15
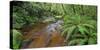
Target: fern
x: 17, y: 39
x: 77, y: 42
x: 85, y: 26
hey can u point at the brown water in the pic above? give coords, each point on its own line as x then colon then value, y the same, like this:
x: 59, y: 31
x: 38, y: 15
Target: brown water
x: 36, y: 36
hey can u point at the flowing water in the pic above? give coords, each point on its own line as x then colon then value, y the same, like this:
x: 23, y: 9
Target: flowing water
x: 43, y: 35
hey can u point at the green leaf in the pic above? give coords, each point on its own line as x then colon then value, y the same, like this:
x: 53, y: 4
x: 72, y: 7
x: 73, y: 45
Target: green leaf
x: 17, y: 38
x: 88, y: 25
x: 78, y: 41
x: 70, y: 31
x: 65, y: 31
x: 83, y: 30
x: 92, y: 41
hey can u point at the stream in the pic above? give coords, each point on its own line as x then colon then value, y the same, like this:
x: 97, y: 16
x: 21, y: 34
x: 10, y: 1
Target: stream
x: 44, y: 35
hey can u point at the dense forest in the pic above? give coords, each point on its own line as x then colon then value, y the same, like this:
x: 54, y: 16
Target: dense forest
x: 36, y: 24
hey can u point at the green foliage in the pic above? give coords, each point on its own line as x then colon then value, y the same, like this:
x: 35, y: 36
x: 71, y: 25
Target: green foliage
x: 29, y: 12
x: 17, y: 39
x: 82, y: 25
x: 78, y: 41
x: 79, y: 26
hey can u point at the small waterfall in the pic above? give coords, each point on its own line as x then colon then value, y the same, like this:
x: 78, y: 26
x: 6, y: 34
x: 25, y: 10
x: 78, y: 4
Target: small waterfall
x: 54, y: 26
